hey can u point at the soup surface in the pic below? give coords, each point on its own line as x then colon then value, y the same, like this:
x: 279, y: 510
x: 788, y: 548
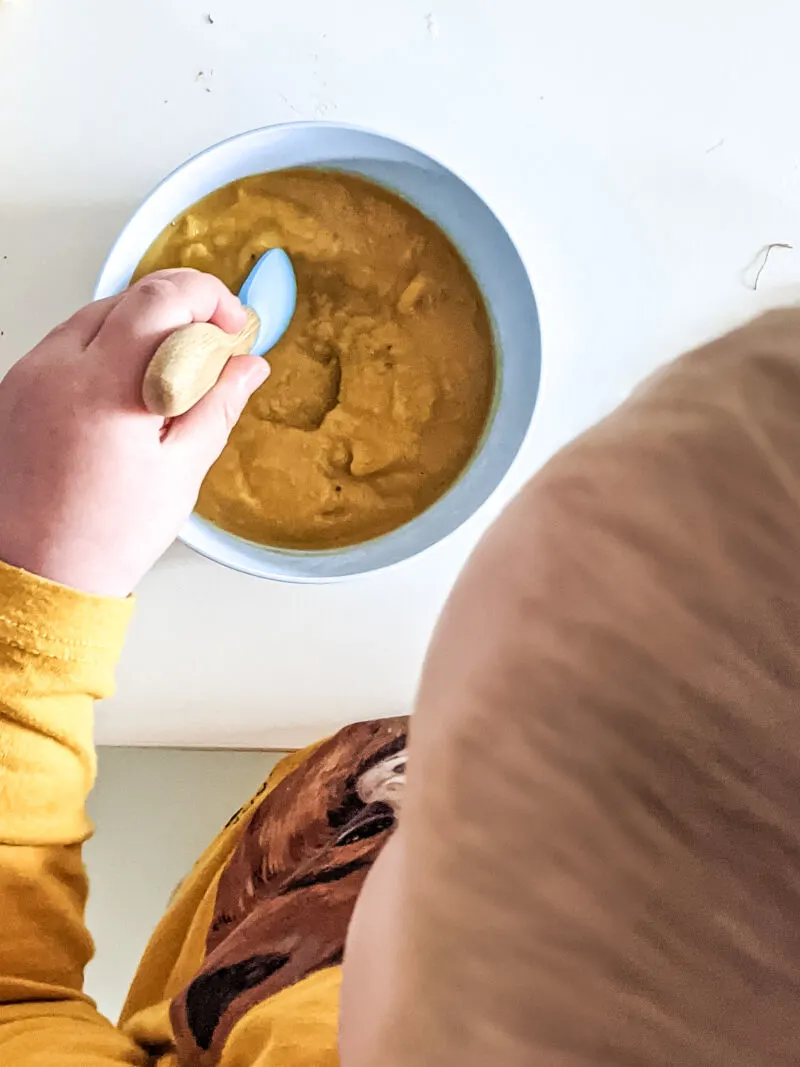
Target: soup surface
x: 381, y: 387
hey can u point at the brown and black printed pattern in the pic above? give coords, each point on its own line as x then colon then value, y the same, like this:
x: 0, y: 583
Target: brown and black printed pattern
x: 286, y: 897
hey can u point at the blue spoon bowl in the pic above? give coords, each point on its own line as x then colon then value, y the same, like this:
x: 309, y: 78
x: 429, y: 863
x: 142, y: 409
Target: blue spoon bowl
x: 271, y: 291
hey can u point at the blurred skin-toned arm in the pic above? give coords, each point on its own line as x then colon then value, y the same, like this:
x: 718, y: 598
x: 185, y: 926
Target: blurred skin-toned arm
x: 598, y: 858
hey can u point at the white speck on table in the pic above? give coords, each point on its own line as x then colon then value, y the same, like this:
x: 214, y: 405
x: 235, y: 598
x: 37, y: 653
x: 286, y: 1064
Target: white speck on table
x: 432, y: 24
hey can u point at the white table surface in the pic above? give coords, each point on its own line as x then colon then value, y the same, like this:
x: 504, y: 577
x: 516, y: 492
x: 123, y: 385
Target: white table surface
x: 640, y: 154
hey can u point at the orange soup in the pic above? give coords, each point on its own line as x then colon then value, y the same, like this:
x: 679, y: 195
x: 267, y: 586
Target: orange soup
x: 381, y: 387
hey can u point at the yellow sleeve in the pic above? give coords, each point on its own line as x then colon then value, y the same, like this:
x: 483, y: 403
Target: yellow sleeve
x: 58, y: 649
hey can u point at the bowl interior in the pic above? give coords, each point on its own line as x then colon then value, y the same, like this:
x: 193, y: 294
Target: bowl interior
x: 483, y: 243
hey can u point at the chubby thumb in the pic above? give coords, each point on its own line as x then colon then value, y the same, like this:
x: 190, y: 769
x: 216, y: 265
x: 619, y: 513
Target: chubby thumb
x: 207, y: 426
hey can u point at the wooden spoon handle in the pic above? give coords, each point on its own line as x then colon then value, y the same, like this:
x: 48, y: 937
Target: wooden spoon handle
x: 189, y: 362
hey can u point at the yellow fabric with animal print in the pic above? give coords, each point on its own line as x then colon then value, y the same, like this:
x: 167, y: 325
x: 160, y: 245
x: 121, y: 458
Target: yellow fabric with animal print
x: 58, y: 649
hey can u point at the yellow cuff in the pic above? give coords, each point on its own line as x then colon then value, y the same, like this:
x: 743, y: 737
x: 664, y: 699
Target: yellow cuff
x: 49, y: 619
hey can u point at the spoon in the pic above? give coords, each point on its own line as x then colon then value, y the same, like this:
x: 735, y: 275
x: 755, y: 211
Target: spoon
x: 188, y: 363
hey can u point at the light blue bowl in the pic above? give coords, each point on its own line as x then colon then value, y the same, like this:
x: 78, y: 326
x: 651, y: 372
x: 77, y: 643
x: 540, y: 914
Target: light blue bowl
x: 483, y: 243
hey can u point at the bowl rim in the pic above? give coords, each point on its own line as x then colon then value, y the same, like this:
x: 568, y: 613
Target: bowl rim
x: 395, y: 547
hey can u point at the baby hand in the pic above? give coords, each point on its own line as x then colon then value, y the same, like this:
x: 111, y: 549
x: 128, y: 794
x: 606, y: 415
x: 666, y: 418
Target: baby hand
x: 93, y: 488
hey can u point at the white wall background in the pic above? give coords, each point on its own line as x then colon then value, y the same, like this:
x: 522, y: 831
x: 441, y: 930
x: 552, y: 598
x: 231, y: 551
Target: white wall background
x: 155, y: 811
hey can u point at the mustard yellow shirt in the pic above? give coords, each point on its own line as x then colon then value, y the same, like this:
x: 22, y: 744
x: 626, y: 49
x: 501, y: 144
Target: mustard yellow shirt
x: 58, y: 650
